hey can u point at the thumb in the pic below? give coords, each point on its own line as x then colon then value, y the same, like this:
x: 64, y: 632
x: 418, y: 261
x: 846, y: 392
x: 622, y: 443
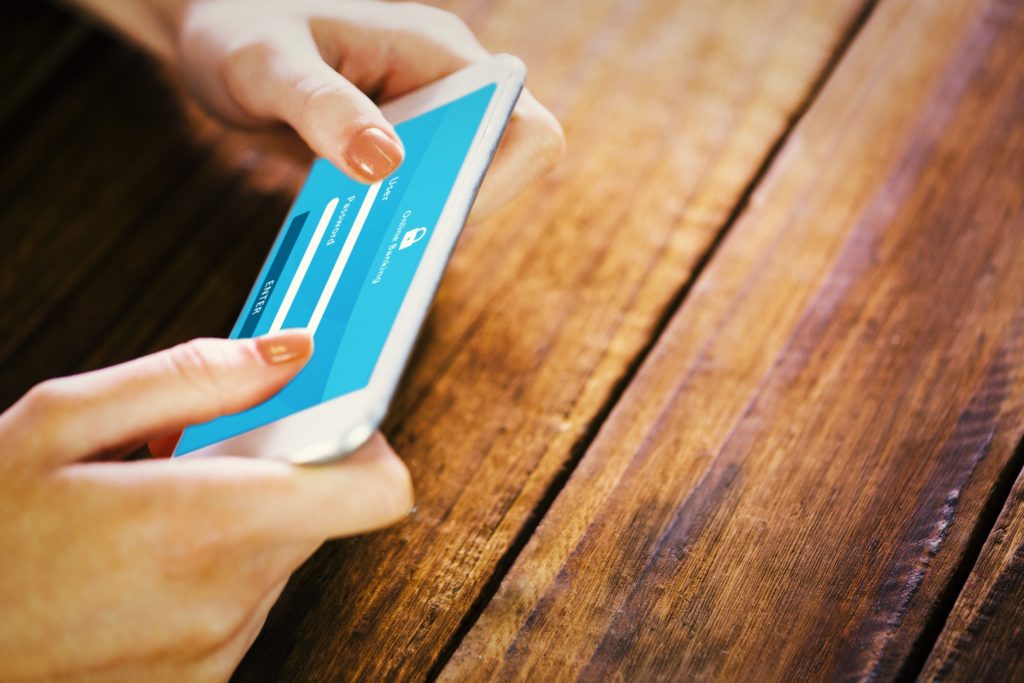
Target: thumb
x: 76, y: 417
x: 294, y: 84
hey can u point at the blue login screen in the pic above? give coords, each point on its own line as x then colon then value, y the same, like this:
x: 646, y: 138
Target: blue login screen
x: 343, y: 261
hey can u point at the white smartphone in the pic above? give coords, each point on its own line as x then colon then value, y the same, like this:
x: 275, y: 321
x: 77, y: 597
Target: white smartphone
x: 359, y: 265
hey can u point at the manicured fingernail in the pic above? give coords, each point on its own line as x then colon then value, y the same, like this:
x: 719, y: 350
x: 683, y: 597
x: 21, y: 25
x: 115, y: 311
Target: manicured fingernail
x: 285, y: 347
x: 373, y: 154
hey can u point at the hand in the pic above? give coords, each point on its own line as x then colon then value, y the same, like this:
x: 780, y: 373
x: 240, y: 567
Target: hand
x: 157, y: 569
x: 320, y: 65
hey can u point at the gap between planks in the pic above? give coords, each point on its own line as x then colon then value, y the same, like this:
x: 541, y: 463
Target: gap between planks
x: 987, y: 520
x: 579, y: 449
x: 79, y: 38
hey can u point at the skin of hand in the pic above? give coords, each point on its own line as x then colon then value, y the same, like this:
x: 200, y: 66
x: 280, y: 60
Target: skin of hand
x: 157, y: 570
x: 160, y: 570
x: 319, y: 67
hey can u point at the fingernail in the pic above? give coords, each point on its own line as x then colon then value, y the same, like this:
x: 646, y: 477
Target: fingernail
x: 285, y: 347
x: 373, y: 154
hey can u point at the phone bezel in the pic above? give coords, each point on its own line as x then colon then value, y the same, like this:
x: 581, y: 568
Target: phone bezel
x: 337, y: 427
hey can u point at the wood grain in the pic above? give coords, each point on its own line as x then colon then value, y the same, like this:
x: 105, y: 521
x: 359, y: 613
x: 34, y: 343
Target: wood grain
x: 670, y: 110
x: 789, y: 486
x: 87, y: 183
x: 40, y: 40
x: 803, y: 471
x: 983, y: 638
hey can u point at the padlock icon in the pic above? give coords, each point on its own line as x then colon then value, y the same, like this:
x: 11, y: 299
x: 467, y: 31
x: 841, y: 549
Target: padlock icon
x: 411, y: 237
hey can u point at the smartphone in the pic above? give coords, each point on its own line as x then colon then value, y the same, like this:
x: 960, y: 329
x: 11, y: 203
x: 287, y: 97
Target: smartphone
x: 358, y: 265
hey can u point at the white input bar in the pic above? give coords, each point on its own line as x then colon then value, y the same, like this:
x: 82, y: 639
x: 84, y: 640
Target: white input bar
x: 346, y: 251
x: 307, y: 258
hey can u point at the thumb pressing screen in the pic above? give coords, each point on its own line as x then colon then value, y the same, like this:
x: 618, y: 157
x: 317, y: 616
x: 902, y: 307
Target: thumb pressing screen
x: 344, y: 261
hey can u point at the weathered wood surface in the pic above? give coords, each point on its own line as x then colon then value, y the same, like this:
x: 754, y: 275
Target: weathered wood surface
x: 670, y: 108
x: 800, y: 477
x: 983, y: 638
x: 789, y: 487
x: 36, y: 44
x: 104, y: 192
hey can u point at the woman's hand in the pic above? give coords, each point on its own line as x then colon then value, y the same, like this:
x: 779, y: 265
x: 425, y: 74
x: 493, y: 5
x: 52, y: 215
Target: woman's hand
x: 157, y: 569
x: 320, y: 66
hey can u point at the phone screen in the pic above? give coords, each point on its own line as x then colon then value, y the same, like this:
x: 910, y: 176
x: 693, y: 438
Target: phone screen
x: 343, y: 262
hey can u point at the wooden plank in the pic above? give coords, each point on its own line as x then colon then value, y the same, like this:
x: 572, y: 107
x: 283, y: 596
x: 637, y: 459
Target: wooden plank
x: 39, y: 39
x: 82, y: 177
x: 670, y: 108
x: 544, y: 310
x: 156, y: 267
x: 789, y: 485
x: 983, y: 638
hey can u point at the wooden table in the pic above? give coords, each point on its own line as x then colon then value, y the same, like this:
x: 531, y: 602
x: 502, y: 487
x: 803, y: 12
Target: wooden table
x: 736, y: 394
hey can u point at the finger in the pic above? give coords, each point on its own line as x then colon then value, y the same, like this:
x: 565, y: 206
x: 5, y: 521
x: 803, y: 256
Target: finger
x: 433, y: 44
x: 532, y: 145
x: 442, y: 44
x: 274, y: 158
x: 254, y: 623
x: 281, y: 560
x: 294, y: 84
x: 218, y: 664
x: 74, y: 417
x: 227, y: 500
